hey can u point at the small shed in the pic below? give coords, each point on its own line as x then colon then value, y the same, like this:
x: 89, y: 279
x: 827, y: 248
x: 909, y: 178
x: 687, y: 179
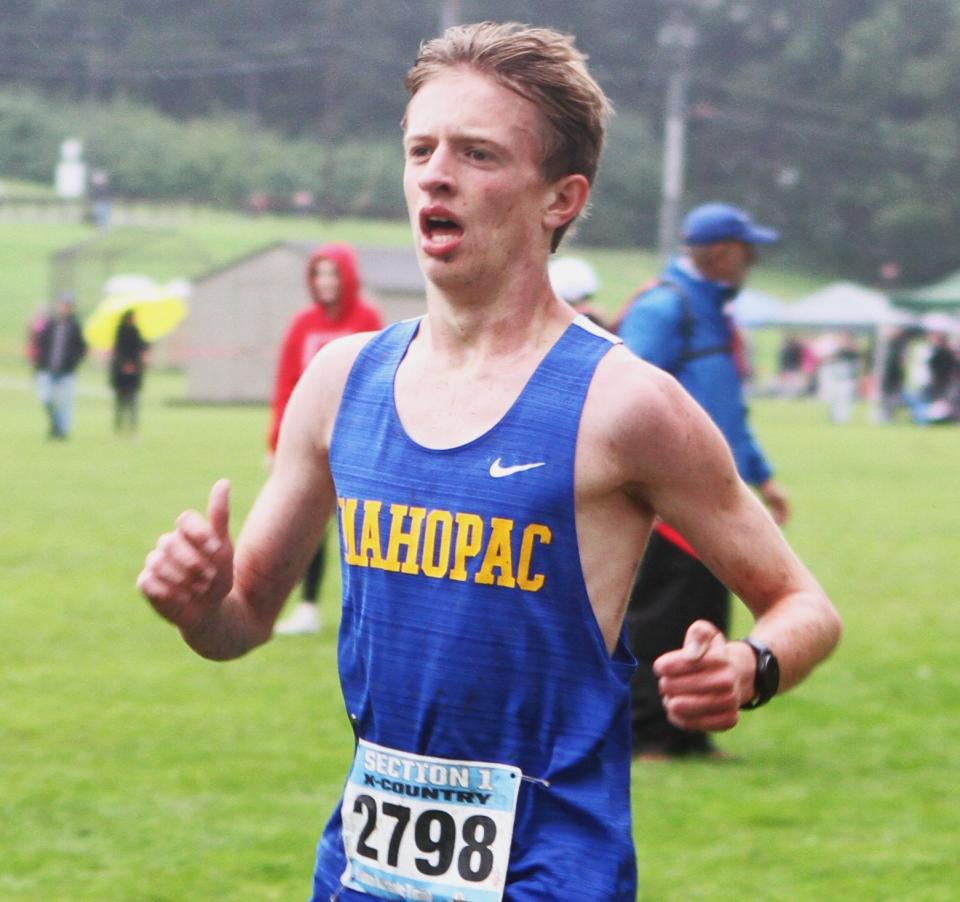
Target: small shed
x: 240, y: 311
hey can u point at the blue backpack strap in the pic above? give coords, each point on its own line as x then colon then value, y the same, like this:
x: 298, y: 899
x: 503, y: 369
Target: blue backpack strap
x: 686, y: 329
x: 687, y: 321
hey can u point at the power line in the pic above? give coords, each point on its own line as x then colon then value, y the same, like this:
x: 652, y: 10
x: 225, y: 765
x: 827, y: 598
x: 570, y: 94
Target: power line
x: 197, y: 67
x: 853, y: 139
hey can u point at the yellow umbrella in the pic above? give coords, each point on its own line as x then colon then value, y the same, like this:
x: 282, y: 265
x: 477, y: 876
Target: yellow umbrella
x: 157, y: 309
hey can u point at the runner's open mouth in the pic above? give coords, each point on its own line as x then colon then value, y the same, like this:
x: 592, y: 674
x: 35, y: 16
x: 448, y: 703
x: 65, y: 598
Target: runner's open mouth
x: 440, y: 228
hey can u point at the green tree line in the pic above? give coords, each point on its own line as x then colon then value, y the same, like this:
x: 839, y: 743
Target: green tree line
x: 834, y: 121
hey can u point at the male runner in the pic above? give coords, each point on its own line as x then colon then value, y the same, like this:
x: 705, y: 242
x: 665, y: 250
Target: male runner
x: 496, y: 468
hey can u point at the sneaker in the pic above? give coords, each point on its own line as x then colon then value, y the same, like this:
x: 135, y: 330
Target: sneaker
x: 304, y: 619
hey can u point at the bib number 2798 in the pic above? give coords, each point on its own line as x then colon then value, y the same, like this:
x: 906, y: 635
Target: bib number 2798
x: 416, y: 827
x: 435, y: 835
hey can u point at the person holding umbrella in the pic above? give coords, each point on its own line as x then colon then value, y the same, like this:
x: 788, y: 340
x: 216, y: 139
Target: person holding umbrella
x: 126, y: 373
x: 158, y: 309
x: 134, y: 312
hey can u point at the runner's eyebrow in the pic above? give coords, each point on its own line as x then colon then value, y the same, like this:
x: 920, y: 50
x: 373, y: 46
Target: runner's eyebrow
x: 457, y: 138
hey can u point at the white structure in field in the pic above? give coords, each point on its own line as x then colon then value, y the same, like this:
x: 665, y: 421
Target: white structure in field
x: 70, y: 178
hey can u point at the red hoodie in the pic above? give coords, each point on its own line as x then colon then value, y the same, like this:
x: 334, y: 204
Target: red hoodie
x: 312, y: 328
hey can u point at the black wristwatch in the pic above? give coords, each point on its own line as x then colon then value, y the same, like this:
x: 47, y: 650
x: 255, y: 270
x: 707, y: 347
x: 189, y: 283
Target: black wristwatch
x: 767, y: 680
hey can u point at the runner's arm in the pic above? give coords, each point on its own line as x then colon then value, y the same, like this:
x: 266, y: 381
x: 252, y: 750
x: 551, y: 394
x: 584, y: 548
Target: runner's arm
x: 224, y: 602
x: 685, y: 473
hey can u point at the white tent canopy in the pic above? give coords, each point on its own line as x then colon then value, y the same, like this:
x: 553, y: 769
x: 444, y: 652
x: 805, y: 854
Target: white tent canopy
x: 753, y: 308
x: 941, y: 322
x: 847, y: 306
x: 844, y: 305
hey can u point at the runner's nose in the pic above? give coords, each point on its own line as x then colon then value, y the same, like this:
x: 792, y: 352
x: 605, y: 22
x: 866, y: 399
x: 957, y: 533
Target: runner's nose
x: 436, y: 174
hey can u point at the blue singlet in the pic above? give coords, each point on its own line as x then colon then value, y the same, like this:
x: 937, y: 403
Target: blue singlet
x: 492, y: 724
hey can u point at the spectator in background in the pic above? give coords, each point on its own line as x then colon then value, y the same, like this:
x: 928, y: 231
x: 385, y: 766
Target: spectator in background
x: 575, y: 281
x: 917, y: 380
x: 60, y: 348
x: 839, y: 377
x: 258, y: 203
x: 34, y: 330
x: 679, y: 324
x: 127, y: 365
x: 101, y: 198
x: 303, y: 203
x: 790, y: 373
x: 893, y: 373
x: 942, y: 366
x: 333, y: 283
x: 810, y: 364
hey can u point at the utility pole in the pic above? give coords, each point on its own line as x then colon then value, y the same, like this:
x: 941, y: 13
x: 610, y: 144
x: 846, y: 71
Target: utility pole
x: 677, y: 38
x: 251, y: 96
x: 329, y: 117
x: 93, y: 41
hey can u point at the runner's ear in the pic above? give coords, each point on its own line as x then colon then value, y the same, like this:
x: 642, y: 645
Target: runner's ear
x: 567, y: 197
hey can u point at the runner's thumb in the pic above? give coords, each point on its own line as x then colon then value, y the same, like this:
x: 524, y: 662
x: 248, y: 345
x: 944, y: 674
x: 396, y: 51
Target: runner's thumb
x: 699, y: 635
x: 218, y: 509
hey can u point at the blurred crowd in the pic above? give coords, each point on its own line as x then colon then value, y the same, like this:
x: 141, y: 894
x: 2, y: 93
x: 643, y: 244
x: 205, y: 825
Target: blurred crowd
x: 910, y: 373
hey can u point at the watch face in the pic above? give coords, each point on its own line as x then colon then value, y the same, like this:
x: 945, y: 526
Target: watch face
x: 768, y: 675
x: 767, y: 678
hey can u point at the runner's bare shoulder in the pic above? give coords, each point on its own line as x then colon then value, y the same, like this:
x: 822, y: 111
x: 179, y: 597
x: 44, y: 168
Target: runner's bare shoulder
x: 316, y: 398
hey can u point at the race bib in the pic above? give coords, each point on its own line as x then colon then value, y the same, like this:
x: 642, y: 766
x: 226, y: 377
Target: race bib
x: 427, y: 829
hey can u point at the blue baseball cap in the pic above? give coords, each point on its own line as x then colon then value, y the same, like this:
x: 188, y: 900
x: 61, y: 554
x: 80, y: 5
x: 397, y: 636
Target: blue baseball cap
x: 721, y: 222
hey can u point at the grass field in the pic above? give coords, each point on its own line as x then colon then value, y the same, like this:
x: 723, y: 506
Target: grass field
x: 133, y: 771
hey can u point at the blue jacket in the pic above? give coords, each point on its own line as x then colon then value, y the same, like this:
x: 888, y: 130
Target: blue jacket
x: 690, y: 337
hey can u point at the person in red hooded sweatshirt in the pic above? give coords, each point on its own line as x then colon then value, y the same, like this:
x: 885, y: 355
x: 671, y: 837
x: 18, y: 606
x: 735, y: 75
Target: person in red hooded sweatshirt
x: 337, y: 310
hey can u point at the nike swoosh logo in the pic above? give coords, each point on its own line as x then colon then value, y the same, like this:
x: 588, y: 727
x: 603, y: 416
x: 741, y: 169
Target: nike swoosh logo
x: 497, y: 469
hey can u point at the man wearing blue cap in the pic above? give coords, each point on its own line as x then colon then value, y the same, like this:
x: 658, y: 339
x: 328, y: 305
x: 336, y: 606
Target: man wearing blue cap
x: 680, y: 325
